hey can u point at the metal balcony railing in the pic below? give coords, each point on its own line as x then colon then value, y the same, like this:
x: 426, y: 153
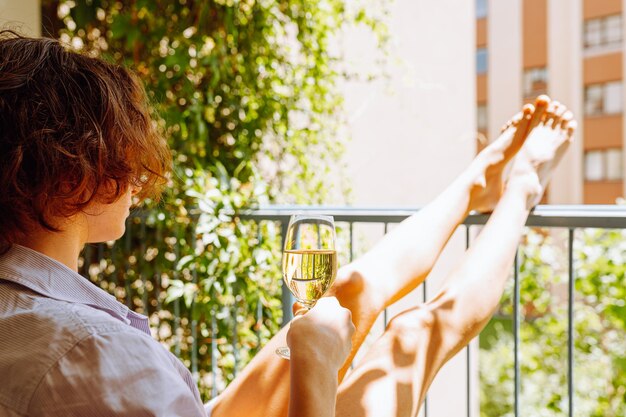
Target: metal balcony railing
x: 569, y: 218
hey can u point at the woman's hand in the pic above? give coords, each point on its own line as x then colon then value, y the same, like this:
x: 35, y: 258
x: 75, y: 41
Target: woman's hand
x: 320, y: 342
x: 323, y: 334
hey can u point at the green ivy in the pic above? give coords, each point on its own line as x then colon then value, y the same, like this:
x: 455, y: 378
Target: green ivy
x: 599, y: 330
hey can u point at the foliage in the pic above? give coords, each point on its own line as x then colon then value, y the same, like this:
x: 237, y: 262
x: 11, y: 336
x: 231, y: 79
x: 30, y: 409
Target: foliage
x: 599, y: 330
x: 246, y: 94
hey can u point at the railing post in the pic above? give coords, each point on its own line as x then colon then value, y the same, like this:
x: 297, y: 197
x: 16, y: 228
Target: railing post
x: 194, y: 321
x: 570, y: 324
x: 385, y: 312
x: 425, y: 298
x: 516, y: 334
x: 351, y: 241
x: 286, y: 296
x: 468, y: 349
x: 234, y: 341
x: 176, y: 323
x: 141, y: 262
x: 213, y: 354
x: 127, y: 242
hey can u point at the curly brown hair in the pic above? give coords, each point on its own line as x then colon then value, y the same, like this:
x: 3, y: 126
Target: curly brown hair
x: 73, y: 129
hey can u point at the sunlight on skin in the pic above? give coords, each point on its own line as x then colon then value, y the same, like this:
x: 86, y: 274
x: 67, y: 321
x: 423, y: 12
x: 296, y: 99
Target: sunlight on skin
x: 364, y: 286
x: 429, y: 335
x: 404, y: 361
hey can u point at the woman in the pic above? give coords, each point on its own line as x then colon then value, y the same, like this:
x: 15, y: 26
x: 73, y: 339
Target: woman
x: 77, y: 143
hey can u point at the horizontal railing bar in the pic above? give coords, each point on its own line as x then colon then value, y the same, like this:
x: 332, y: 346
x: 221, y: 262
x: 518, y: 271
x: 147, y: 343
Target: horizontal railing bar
x: 577, y: 216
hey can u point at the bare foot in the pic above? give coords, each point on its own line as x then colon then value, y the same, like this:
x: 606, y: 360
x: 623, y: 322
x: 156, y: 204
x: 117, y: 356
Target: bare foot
x: 486, y: 173
x: 542, y: 151
x: 489, y: 166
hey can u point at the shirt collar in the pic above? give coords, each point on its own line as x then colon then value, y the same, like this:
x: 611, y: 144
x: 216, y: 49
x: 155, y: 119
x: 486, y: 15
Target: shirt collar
x: 52, y: 279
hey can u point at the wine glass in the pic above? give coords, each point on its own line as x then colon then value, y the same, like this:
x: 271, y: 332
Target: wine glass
x: 309, y: 260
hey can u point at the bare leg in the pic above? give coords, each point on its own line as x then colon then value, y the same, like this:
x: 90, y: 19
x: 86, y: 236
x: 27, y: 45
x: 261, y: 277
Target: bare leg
x: 407, y: 254
x: 394, y: 376
x: 403, y: 258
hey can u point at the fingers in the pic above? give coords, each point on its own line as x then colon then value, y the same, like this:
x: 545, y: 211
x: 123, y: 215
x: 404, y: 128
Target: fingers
x: 298, y: 309
x: 343, y: 313
x: 330, y: 325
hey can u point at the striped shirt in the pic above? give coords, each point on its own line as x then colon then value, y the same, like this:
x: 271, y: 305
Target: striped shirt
x: 68, y: 348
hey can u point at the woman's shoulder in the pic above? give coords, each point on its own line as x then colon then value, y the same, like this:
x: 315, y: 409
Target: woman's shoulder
x: 37, y: 332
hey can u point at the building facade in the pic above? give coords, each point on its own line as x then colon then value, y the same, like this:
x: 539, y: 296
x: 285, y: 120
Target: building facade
x: 572, y: 50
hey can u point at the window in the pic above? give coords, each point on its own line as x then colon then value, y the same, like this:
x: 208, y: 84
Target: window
x: 603, y: 98
x: 604, y: 165
x: 613, y: 97
x: 481, y: 117
x: 604, y: 31
x: 481, y: 9
x: 613, y: 29
x: 593, y: 166
x: 481, y: 61
x: 535, y: 81
x: 593, y: 33
x: 614, y: 167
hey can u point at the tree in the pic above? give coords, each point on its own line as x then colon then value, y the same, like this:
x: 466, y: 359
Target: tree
x: 599, y: 330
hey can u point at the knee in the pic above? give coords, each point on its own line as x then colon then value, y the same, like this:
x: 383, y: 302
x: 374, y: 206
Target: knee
x: 416, y: 320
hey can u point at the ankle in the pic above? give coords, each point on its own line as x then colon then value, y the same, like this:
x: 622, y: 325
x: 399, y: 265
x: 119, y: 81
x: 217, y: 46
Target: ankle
x: 525, y: 185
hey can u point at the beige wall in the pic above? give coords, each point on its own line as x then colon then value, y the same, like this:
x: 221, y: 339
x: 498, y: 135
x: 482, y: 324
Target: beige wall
x: 21, y: 15
x: 564, y: 84
x: 505, y: 63
x: 413, y: 134
x: 623, y: 7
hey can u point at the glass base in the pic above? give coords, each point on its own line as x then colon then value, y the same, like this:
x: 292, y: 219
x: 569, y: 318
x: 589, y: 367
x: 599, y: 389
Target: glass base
x: 283, y: 352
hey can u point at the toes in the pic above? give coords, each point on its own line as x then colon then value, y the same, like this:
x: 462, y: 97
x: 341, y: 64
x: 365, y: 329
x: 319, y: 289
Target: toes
x: 541, y: 105
x: 505, y: 126
x: 514, y: 122
x: 567, y: 117
x: 550, y: 113
x: 568, y: 124
x: 558, y: 114
x: 526, y: 116
x: 571, y: 128
x: 528, y: 110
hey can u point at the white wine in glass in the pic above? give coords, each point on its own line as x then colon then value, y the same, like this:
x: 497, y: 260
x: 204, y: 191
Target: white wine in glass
x: 309, y: 260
